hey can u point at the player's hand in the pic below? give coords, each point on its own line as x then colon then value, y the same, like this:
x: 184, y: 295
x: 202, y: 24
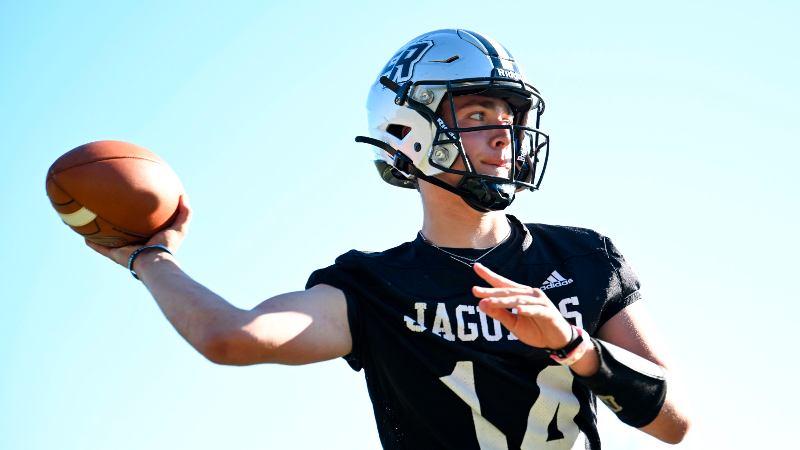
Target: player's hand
x: 170, y: 237
x: 537, y: 321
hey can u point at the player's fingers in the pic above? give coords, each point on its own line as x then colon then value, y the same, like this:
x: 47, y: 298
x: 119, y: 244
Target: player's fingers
x: 102, y: 249
x: 530, y: 310
x: 493, y: 278
x: 506, y: 317
x: 184, y: 217
x: 119, y: 255
x: 514, y: 301
x: 173, y: 236
x: 483, y: 292
x: 509, y: 297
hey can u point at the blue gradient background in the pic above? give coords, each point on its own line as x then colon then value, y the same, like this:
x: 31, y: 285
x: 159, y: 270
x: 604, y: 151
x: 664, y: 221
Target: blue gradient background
x: 671, y: 132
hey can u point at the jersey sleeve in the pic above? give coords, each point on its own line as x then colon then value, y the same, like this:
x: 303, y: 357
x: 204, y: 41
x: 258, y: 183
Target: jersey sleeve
x: 624, y: 287
x: 342, y: 276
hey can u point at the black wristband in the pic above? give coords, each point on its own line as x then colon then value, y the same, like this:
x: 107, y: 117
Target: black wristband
x: 574, y: 341
x: 136, y: 253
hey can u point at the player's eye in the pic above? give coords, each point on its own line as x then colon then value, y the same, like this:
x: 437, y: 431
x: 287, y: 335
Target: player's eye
x: 477, y: 116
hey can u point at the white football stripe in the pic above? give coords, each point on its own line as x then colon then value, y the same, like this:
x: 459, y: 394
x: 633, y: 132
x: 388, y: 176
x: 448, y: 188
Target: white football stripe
x: 79, y: 218
x: 501, y: 51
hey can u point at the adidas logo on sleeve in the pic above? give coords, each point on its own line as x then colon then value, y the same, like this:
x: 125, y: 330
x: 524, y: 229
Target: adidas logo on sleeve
x: 555, y: 280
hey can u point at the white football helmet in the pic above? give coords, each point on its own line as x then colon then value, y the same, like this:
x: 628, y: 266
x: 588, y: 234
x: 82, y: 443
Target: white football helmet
x: 409, y: 91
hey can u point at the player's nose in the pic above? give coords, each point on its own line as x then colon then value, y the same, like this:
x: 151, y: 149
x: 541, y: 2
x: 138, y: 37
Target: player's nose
x: 500, y: 138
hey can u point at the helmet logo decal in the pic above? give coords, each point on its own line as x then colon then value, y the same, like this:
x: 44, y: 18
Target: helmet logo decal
x: 442, y: 125
x: 401, y: 66
x: 506, y: 73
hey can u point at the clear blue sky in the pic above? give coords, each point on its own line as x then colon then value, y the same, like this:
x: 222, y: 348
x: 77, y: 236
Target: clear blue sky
x: 674, y: 131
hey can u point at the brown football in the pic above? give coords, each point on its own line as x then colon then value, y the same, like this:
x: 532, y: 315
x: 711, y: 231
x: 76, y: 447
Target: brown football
x: 114, y: 193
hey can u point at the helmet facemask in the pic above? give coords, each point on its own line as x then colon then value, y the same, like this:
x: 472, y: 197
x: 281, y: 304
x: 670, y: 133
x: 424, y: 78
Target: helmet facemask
x: 529, y: 145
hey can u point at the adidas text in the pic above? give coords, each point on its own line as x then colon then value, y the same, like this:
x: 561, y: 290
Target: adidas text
x: 556, y: 284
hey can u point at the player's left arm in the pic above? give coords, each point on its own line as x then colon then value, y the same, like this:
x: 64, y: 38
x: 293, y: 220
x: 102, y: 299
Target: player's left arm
x: 633, y: 330
x: 535, y: 320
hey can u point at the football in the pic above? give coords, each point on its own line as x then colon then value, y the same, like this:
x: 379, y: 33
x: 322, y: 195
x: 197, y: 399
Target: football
x: 114, y: 193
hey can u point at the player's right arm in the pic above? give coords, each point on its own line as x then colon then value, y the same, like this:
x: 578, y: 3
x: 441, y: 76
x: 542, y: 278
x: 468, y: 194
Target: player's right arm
x: 295, y: 328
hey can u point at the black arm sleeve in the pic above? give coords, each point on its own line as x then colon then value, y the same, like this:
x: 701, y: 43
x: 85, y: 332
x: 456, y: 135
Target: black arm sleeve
x: 632, y: 387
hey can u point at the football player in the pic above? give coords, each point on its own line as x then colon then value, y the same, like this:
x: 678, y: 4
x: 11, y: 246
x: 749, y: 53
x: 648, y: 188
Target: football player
x: 483, y: 332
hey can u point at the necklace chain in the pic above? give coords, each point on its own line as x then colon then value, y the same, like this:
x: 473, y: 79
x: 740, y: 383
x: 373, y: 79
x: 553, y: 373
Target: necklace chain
x: 463, y: 259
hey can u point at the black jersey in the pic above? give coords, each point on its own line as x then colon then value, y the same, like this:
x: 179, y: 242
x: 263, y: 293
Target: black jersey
x: 443, y: 375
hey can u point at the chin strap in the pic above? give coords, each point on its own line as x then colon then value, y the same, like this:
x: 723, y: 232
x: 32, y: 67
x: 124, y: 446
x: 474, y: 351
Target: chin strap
x: 479, y: 194
x: 486, y: 196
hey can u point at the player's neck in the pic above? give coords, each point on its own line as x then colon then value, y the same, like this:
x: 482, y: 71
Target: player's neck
x: 450, y: 222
